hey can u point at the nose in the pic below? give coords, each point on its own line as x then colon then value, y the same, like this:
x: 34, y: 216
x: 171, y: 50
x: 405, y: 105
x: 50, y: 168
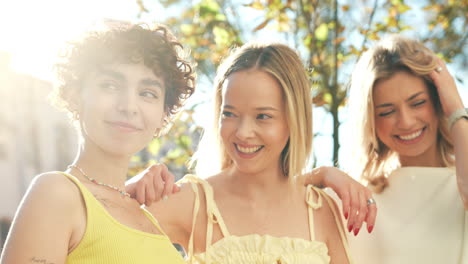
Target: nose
x: 406, y: 119
x: 245, y: 129
x: 127, y: 104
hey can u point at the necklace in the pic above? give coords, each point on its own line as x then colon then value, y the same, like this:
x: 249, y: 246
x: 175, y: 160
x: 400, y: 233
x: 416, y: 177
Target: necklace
x: 98, y: 182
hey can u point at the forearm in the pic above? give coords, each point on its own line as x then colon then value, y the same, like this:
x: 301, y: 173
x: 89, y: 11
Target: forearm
x: 460, y: 140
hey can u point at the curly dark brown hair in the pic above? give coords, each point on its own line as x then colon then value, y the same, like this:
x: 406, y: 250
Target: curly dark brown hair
x: 157, y: 48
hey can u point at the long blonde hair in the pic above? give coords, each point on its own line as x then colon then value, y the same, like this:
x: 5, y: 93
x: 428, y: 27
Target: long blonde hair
x: 371, y: 159
x: 283, y: 64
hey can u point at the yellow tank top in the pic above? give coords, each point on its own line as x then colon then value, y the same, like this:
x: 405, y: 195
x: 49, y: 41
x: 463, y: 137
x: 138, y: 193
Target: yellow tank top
x: 106, y: 241
x: 259, y: 249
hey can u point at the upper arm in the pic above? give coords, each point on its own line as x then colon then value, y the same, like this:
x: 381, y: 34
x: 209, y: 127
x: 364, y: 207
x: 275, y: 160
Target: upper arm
x: 175, y: 214
x: 43, y: 223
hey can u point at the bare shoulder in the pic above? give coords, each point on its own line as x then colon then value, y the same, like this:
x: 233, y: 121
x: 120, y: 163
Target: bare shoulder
x: 328, y: 224
x: 56, y: 189
x: 45, y: 220
x: 327, y: 208
x: 175, y: 214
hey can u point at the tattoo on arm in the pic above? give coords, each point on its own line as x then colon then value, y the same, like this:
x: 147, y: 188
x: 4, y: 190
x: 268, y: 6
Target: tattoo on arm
x: 39, y: 260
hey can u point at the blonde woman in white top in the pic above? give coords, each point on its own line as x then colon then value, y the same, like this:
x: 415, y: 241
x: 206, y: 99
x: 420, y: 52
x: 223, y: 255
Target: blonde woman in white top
x: 411, y: 148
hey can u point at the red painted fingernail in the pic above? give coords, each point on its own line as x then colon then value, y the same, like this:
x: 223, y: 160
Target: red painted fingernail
x: 346, y: 215
x: 356, y: 231
x: 370, y: 228
x: 350, y: 228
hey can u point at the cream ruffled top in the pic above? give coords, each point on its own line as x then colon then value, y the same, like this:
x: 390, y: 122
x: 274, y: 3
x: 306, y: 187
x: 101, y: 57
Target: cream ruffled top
x: 254, y: 248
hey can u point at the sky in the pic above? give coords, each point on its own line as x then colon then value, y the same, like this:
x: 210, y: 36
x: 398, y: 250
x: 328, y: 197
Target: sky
x: 32, y: 32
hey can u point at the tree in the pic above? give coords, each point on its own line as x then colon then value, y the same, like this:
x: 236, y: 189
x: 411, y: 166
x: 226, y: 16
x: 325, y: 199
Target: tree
x: 330, y: 36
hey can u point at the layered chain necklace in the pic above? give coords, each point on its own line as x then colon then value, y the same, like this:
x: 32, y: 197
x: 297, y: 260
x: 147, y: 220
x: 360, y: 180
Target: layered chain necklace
x: 123, y: 192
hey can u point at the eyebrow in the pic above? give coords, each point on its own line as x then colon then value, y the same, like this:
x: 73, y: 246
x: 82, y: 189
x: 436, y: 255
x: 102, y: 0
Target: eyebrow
x: 152, y: 82
x: 119, y: 76
x: 407, y: 100
x: 264, y: 108
x: 113, y: 74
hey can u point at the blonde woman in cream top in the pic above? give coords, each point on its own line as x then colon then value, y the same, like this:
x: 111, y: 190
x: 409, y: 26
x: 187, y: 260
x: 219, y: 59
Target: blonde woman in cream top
x: 412, y: 150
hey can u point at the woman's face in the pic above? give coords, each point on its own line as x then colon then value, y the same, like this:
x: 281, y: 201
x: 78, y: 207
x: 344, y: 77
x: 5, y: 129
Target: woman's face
x: 121, y: 107
x: 405, y: 119
x: 253, y: 123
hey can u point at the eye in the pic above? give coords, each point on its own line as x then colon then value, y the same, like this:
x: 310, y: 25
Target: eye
x: 263, y: 116
x: 109, y: 86
x: 149, y: 94
x: 387, y: 113
x: 418, y: 103
x: 227, y: 114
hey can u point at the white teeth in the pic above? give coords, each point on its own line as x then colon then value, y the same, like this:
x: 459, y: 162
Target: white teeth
x: 248, y: 150
x: 411, y: 136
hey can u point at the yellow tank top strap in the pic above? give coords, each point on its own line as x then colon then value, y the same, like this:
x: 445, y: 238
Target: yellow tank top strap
x: 87, y: 195
x: 153, y: 220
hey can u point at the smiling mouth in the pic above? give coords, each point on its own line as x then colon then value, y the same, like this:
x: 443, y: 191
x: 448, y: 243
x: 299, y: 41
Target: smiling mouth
x: 412, y: 135
x: 248, y: 150
x: 123, y: 126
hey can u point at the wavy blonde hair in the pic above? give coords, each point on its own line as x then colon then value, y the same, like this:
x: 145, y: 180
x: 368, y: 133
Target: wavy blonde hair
x: 372, y: 160
x: 283, y: 64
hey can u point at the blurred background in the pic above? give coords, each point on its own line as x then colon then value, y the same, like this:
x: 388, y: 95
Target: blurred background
x: 330, y: 35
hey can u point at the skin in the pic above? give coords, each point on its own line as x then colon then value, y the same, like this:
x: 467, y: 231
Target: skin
x: 253, y: 195
x: 120, y: 109
x: 451, y: 101
x: 405, y: 119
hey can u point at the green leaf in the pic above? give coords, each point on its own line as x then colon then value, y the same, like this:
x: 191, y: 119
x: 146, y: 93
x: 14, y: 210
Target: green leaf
x: 221, y: 36
x: 154, y: 146
x: 327, y: 98
x: 402, y: 8
x: 174, y: 153
x: 321, y: 33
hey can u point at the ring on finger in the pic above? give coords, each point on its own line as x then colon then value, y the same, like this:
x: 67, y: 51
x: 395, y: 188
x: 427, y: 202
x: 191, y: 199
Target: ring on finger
x: 370, y: 201
x: 438, y: 69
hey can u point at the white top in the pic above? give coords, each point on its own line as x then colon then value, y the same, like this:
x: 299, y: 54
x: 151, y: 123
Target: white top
x: 420, y: 219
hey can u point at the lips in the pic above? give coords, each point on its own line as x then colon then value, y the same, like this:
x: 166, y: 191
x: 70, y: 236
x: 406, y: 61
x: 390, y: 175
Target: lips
x: 123, y: 126
x: 248, y: 149
x: 414, y: 136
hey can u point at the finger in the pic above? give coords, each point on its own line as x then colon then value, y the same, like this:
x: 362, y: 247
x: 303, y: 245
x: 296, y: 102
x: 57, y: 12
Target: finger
x: 130, y: 188
x: 158, y: 182
x: 150, y: 195
x: 362, y: 213
x: 169, y: 180
x: 353, y: 210
x: 345, y: 204
x: 175, y: 188
x: 371, y: 216
x: 140, y: 193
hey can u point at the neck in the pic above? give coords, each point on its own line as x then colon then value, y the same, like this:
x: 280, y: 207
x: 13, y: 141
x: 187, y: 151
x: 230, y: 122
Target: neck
x: 264, y: 184
x: 429, y: 159
x: 97, y: 164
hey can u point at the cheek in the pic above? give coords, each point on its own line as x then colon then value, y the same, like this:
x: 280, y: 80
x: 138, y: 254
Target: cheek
x: 226, y: 128
x: 279, y: 134
x: 154, y: 117
x: 383, y: 128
